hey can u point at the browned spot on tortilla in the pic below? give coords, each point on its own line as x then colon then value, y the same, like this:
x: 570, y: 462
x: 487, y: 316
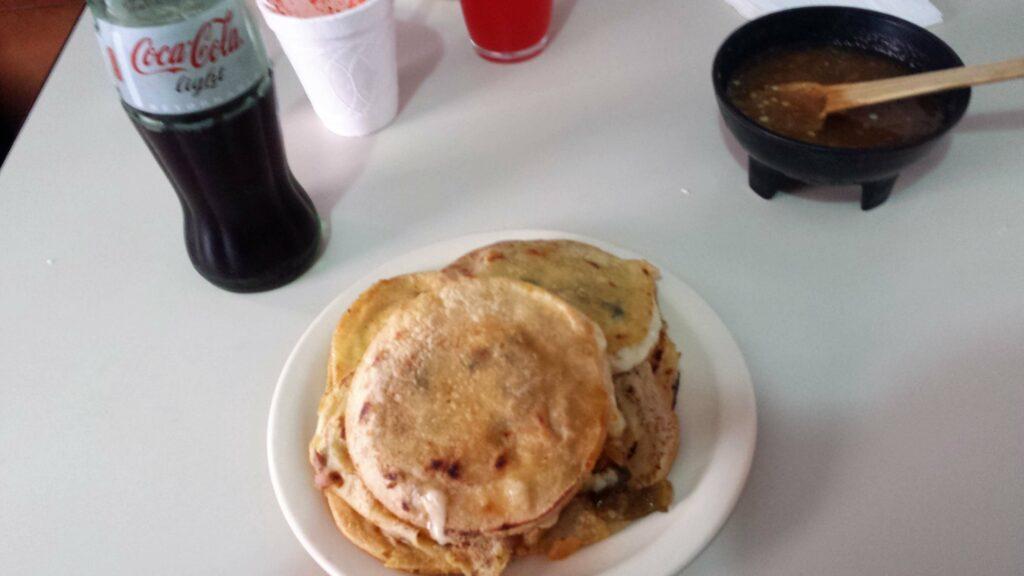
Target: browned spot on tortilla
x: 400, y: 335
x: 364, y: 412
x: 534, y: 252
x: 592, y: 263
x: 675, y: 391
x: 632, y: 451
x: 336, y: 478
x: 454, y: 470
x: 478, y: 356
x: 454, y: 272
x: 392, y: 476
x: 656, y: 358
x: 495, y: 256
x: 405, y: 505
x: 321, y: 459
x: 341, y: 427
x: 501, y: 461
x: 542, y: 419
x: 381, y: 357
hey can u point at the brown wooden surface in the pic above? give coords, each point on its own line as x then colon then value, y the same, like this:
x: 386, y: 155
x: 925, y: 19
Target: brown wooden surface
x: 32, y: 33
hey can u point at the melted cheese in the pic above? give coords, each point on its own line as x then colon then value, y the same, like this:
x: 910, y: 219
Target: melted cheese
x: 435, y: 505
x: 628, y: 358
x: 602, y: 481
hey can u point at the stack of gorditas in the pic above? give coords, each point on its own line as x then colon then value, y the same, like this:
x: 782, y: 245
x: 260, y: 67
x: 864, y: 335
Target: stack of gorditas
x: 520, y: 401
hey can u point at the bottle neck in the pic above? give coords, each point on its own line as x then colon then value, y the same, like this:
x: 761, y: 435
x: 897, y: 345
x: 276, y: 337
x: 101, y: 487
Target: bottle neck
x: 147, y: 12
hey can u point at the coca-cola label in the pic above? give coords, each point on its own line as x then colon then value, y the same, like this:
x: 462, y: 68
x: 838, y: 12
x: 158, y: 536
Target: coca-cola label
x: 184, y: 67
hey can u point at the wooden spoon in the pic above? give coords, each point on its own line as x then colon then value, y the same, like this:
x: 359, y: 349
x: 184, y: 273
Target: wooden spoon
x: 813, y: 101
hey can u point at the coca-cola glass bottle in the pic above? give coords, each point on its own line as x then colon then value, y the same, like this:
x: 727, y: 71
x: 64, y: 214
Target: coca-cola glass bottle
x: 194, y: 78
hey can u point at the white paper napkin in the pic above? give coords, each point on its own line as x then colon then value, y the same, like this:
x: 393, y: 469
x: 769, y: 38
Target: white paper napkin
x: 920, y: 12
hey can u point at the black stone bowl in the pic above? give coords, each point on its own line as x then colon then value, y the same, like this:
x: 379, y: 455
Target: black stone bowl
x: 778, y: 162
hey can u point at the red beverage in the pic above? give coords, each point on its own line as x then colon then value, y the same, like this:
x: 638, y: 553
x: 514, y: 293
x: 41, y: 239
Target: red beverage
x: 508, y: 30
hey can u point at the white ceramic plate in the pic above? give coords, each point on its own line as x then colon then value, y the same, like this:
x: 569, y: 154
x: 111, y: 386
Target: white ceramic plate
x: 716, y: 408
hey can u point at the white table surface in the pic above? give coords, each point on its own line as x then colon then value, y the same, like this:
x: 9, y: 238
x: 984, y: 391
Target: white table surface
x: 887, y: 347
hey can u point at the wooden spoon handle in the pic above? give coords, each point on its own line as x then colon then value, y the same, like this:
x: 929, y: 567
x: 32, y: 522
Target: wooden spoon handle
x: 845, y: 96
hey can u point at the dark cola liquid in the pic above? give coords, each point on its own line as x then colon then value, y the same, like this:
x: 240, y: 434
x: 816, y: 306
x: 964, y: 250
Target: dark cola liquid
x: 249, y: 226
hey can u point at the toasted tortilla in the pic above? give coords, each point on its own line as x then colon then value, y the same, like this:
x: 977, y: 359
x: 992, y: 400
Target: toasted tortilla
x: 358, y: 515
x: 646, y: 397
x: 619, y: 295
x: 479, y: 408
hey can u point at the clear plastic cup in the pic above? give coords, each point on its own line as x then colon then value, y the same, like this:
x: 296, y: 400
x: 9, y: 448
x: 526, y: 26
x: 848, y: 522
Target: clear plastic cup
x: 346, y: 63
x: 508, y: 30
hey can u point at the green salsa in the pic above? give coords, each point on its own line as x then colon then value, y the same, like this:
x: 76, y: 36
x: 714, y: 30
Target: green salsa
x: 754, y: 90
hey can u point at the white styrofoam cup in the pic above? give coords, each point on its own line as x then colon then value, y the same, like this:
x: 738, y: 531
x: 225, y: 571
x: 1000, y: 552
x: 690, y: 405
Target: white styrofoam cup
x: 346, y: 63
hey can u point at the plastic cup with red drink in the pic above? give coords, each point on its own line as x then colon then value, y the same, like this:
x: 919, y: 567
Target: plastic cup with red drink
x: 508, y: 30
